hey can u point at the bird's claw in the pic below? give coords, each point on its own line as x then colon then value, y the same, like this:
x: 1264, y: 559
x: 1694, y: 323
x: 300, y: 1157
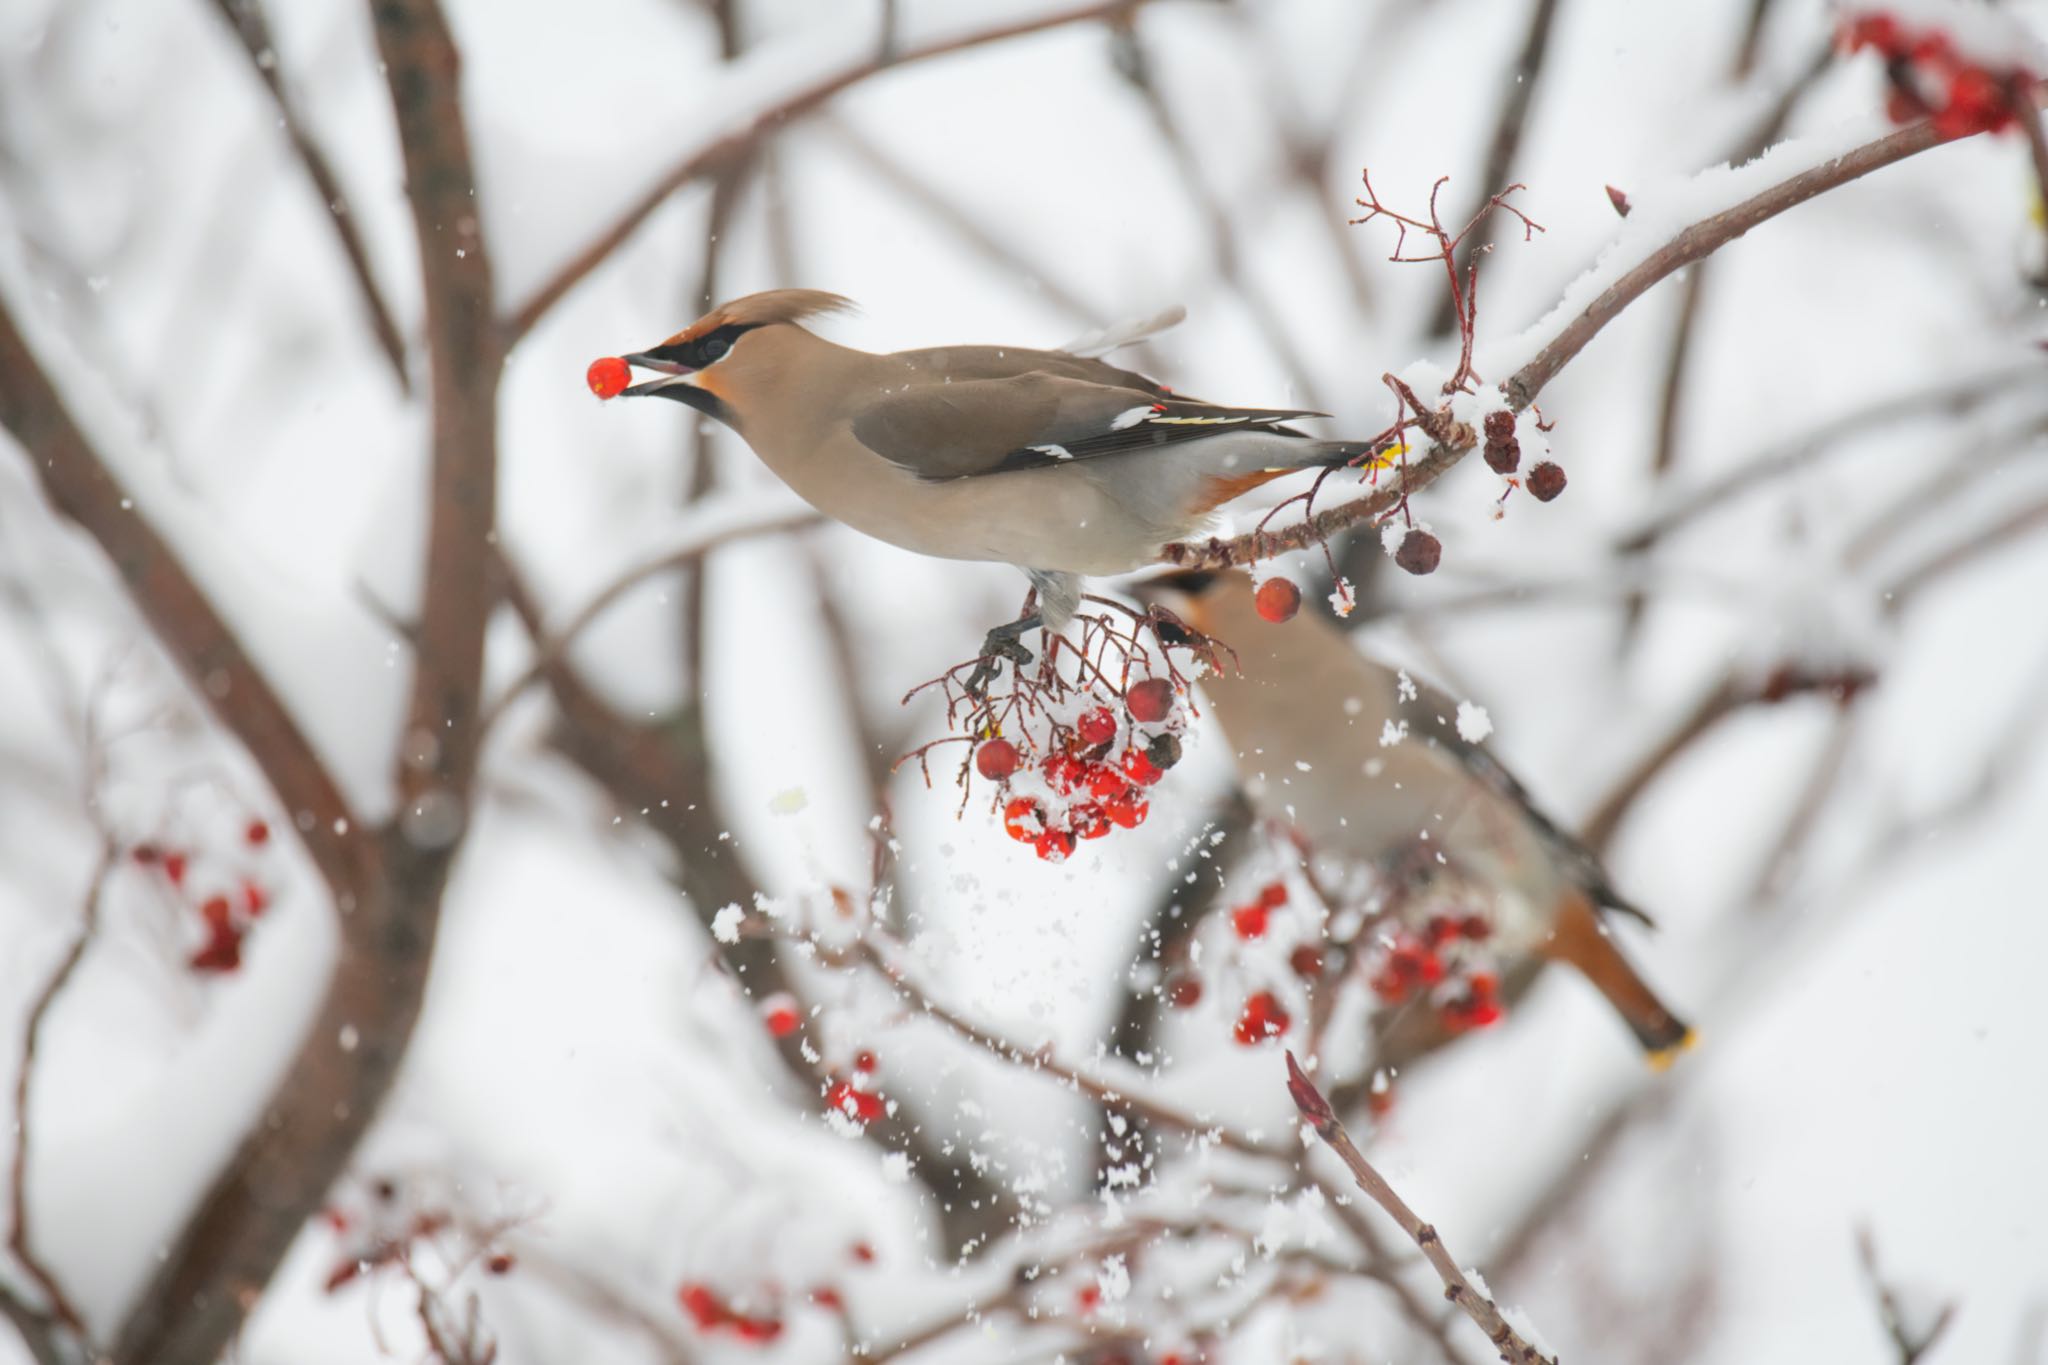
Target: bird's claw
x: 1001, y: 644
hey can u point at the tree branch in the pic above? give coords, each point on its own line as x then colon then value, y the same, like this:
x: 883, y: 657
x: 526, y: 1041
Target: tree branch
x: 252, y: 28
x: 731, y: 147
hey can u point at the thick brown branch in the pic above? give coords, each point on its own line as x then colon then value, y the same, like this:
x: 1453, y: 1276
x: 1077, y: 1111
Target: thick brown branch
x: 1457, y: 1288
x: 731, y: 147
x: 252, y: 28
x: 81, y: 486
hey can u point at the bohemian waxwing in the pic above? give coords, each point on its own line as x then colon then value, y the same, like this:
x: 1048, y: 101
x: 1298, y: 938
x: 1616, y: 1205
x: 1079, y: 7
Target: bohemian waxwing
x: 1370, y: 767
x: 1053, y: 461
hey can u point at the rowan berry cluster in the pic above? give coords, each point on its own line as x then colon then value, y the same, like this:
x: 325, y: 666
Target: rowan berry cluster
x: 1932, y: 77
x: 225, y: 890
x: 1445, y: 963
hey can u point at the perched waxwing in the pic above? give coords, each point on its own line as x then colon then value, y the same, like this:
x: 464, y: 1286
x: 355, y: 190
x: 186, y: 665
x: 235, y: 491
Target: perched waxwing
x: 1054, y: 461
x: 1369, y: 766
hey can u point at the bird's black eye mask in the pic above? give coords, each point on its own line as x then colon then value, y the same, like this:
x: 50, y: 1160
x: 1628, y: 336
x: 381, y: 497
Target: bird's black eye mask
x: 698, y: 352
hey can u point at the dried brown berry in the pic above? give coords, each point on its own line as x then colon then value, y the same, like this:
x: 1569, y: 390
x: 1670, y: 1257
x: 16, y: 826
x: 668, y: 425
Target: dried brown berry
x: 1500, y: 428
x: 1545, y: 481
x: 1503, y: 457
x: 1420, y: 551
x: 1164, y: 750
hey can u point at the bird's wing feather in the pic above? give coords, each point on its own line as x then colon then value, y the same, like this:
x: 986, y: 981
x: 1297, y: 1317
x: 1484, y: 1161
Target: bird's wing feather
x: 1433, y: 717
x: 964, y: 428
x: 1117, y: 335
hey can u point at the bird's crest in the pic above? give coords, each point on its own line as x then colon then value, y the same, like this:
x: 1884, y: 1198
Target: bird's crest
x: 756, y: 310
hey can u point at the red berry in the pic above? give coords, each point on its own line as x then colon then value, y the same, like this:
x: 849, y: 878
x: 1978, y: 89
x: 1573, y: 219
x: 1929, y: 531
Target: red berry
x: 1249, y: 921
x: 1139, y: 767
x: 255, y: 899
x: 1307, y: 961
x: 222, y: 952
x: 1064, y: 772
x: 1389, y: 986
x: 1278, y: 599
x: 865, y: 1061
x: 1476, y: 927
x: 862, y: 1106
x: 1545, y: 481
x: 1127, y: 811
x: 608, y: 376
x: 1022, y: 819
x: 501, y: 1263
x: 862, y: 1252
x: 146, y: 855
x: 1263, y: 1018
x: 1088, y: 1297
x: 763, y: 1330
x: 826, y: 1297
x: 1054, y: 846
x: 1105, y: 783
x: 216, y: 914
x: 1184, y: 992
x: 779, y: 1013
x: 1096, y: 727
x: 257, y: 834
x: 1420, y: 551
x: 1484, y: 984
x: 174, y: 868
x: 1273, y: 895
x: 996, y: 759
x: 1088, y: 820
x: 1150, y: 701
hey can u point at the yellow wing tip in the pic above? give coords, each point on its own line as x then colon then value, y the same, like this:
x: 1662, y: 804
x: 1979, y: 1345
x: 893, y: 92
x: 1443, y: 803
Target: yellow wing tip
x: 1663, y: 1057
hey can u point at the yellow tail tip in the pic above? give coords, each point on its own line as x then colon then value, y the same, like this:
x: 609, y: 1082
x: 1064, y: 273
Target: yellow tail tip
x: 1663, y: 1057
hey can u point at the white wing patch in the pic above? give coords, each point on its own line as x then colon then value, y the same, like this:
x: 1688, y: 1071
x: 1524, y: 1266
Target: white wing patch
x: 1130, y: 417
x: 1056, y: 451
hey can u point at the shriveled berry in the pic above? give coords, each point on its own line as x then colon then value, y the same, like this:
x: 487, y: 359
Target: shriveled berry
x: 1184, y: 992
x: 1278, y: 599
x: 1150, y: 701
x: 1263, y: 1017
x: 1503, y: 457
x: 996, y: 760
x: 1545, y: 481
x: 1250, y: 921
x: 608, y: 376
x: 1420, y: 552
x: 1096, y: 727
x: 1500, y: 427
x: 1164, y: 751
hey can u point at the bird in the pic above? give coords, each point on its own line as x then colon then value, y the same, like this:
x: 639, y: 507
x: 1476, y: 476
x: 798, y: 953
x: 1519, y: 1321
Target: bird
x: 1368, y: 765
x: 1055, y: 461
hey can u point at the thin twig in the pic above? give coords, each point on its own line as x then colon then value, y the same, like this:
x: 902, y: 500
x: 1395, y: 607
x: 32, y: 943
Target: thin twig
x: 252, y: 28
x: 1911, y: 1343
x: 18, y: 1236
x: 1484, y: 1313
x: 730, y: 147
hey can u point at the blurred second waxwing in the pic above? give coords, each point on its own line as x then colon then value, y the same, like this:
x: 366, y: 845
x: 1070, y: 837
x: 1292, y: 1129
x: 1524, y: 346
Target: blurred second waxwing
x: 1369, y: 766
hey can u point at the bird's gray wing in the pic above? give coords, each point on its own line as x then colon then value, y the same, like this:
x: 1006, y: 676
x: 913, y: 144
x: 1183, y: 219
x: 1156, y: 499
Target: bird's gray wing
x: 962, y: 428
x: 1432, y: 718
x: 1117, y: 335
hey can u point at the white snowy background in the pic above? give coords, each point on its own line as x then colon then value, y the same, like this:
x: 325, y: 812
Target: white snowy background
x: 1872, y: 1052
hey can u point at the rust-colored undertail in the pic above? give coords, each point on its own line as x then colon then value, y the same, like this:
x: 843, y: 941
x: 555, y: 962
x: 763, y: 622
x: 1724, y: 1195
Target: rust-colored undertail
x: 1577, y: 937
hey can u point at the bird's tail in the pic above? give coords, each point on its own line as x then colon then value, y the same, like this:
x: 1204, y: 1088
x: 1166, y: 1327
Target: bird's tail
x: 1578, y: 937
x: 1314, y: 454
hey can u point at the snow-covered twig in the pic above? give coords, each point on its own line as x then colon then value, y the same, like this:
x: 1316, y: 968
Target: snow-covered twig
x: 1458, y: 1288
x: 1912, y: 1341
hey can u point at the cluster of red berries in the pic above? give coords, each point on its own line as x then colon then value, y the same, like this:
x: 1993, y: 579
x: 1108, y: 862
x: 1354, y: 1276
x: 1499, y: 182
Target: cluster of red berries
x: 1930, y: 78
x: 226, y: 913
x: 1263, y: 1017
x: 1503, y: 455
x: 712, y: 1312
x: 855, y: 1097
x: 1093, y: 776
x: 1443, y: 962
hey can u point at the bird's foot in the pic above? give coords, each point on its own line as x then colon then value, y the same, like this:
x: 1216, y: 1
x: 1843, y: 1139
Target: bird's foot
x: 1002, y: 643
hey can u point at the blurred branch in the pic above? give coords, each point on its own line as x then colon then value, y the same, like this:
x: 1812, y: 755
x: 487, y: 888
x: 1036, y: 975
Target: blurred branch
x: 1691, y: 244
x: 1506, y: 144
x: 647, y: 771
x: 81, y: 486
x: 1911, y: 1342
x: 201, y: 1291
x: 1485, y: 1314
x: 249, y: 24
x: 731, y: 147
x: 61, y: 1309
x: 1134, y: 62
x: 2014, y: 526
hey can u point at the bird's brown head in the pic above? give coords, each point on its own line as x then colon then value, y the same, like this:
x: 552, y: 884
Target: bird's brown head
x: 728, y: 359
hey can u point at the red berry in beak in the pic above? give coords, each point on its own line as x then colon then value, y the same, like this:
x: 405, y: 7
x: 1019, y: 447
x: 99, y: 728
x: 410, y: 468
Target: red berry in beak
x: 608, y: 377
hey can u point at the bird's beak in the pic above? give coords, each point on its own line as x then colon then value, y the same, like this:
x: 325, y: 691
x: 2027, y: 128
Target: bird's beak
x: 674, y: 374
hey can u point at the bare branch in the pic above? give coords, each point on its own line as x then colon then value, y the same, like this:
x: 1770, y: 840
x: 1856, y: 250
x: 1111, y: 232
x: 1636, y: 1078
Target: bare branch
x: 252, y: 28
x: 1910, y: 1341
x: 1484, y: 1313
x: 731, y: 147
